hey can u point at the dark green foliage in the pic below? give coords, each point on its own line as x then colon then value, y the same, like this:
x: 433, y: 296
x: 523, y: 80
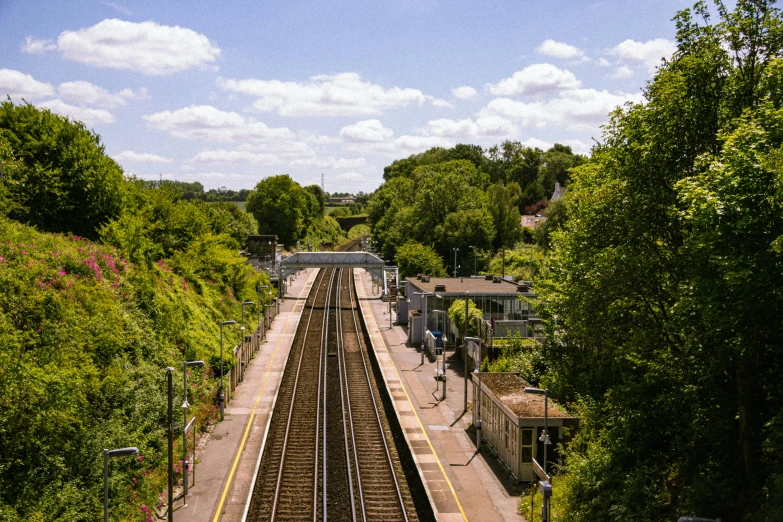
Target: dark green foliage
x: 282, y: 207
x: 67, y: 184
x: 415, y: 258
x: 462, y: 198
x: 663, y: 289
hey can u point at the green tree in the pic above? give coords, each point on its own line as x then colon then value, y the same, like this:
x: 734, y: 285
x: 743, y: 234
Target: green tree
x: 457, y: 316
x: 659, y: 292
x: 317, y: 201
x: 505, y: 214
x: 67, y: 184
x: 415, y: 258
x: 280, y: 207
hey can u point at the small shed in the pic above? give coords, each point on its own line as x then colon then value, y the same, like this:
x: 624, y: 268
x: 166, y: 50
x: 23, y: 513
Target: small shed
x: 512, y: 422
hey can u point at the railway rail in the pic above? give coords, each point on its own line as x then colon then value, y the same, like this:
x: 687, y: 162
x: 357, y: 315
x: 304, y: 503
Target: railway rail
x: 330, y: 453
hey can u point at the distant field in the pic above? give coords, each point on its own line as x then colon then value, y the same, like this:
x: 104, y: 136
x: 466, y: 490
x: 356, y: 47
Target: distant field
x: 240, y: 204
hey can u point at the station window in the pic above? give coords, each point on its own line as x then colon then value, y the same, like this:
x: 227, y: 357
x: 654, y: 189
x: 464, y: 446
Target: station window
x: 526, y: 446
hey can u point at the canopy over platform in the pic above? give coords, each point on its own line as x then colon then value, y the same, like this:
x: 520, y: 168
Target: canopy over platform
x: 365, y: 260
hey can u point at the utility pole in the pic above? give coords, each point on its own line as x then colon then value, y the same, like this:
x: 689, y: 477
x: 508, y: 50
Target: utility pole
x: 455, y: 261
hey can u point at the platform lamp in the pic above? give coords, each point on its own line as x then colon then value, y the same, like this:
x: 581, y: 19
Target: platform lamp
x: 185, y: 405
x: 242, y: 328
x: 222, y: 394
x: 474, y: 259
x: 106, y: 454
x: 545, y: 434
x: 443, y: 352
x: 544, y: 485
x: 258, y: 289
x: 455, y: 250
x: 170, y: 507
x: 242, y: 361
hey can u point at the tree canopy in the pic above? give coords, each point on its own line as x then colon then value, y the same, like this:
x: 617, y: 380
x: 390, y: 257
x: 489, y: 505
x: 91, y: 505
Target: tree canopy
x: 662, y: 290
x: 61, y: 180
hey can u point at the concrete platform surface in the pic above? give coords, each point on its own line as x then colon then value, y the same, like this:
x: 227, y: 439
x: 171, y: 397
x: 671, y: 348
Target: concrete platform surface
x: 462, y: 484
x: 228, y: 461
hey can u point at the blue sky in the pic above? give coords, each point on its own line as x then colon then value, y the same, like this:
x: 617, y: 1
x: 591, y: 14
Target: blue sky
x: 227, y: 93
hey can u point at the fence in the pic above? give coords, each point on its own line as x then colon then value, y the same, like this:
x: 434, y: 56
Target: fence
x: 242, y: 353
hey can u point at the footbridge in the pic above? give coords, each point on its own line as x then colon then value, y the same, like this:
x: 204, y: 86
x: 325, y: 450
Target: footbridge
x: 366, y: 260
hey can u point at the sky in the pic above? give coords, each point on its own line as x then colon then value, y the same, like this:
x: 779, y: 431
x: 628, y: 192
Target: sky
x: 228, y: 93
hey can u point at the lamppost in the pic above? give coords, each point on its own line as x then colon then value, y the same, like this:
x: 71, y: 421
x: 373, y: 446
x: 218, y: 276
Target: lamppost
x: 474, y: 259
x: 170, y: 379
x: 185, y: 405
x: 442, y: 375
x: 222, y: 394
x: 106, y: 454
x: 455, y: 249
x: 242, y: 333
x: 477, y: 371
x: 545, y: 485
x: 465, y: 347
x: 259, y: 312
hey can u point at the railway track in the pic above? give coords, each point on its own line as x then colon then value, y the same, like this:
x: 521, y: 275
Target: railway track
x: 330, y: 453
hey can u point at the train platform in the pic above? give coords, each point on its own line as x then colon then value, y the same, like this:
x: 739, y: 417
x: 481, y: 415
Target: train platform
x: 229, y: 458
x: 462, y: 484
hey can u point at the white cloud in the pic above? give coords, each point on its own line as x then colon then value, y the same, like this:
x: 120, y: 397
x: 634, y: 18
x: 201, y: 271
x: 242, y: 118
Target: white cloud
x: 86, y: 115
x: 537, y: 143
x: 330, y: 162
x: 236, y: 156
x: 578, y: 146
x: 86, y: 93
x: 536, y: 80
x: 578, y: 109
x: 623, y: 72
x: 19, y: 85
x: 208, y: 123
x: 344, y: 94
x: 146, y: 47
x: 464, y: 93
x: 561, y: 50
x: 37, y: 46
x: 366, y: 131
x: 350, y: 176
x: 140, y: 157
x: 437, y: 102
x: 420, y: 143
x: 486, y: 126
x: 649, y: 52
x: 603, y: 62
x: 117, y: 7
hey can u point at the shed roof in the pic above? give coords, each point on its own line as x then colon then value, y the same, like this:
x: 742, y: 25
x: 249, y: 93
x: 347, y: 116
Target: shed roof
x: 509, y: 389
x: 460, y: 285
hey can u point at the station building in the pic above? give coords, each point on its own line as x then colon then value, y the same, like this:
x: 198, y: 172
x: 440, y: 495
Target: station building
x: 512, y: 422
x: 501, y: 302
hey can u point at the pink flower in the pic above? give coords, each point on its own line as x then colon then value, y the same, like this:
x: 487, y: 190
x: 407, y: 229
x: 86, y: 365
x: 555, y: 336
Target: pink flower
x: 140, y: 458
x: 149, y: 519
x: 2, y: 259
x: 135, y: 481
x: 144, y: 508
x: 61, y: 273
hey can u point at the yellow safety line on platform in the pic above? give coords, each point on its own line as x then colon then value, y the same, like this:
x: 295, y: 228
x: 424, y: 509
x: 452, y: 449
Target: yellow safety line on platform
x: 255, y: 406
x: 413, y: 409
